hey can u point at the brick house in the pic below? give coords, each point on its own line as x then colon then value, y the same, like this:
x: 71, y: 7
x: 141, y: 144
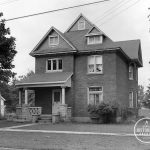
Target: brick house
x: 82, y: 66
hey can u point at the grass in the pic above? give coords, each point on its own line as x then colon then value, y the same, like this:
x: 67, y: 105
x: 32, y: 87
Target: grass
x: 5, y: 123
x: 52, y: 141
x: 68, y: 142
x: 82, y: 127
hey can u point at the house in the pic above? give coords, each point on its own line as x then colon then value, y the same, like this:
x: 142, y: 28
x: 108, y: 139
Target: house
x: 82, y: 66
x: 2, y: 106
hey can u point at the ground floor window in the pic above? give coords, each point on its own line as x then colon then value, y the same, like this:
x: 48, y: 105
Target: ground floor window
x: 136, y: 98
x: 131, y: 99
x: 95, y: 95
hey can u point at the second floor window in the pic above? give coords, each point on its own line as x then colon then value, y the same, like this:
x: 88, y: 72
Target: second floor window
x: 130, y: 72
x: 53, y: 40
x: 95, y: 64
x: 54, y: 65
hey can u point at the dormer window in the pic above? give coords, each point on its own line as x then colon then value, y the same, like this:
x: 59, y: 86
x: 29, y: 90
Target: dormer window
x: 53, y: 40
x: 95, y: 39
x: 81, y: 25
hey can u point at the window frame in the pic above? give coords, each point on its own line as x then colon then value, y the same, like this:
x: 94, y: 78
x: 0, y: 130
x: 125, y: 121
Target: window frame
x: 53, y: 36
x: 94, y: 36
x: 136, y: 98
x: 57, y: 65
x: 94, y: 92
x: 94, y: 64
x: 131, y: 77
x: 131, y: 92
x: 80, y: 26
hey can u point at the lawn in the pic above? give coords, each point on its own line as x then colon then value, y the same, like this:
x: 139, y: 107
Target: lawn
x: 5, y: 123
x: 61, y: 141
x: 83, y: 127
x: 68, y: 142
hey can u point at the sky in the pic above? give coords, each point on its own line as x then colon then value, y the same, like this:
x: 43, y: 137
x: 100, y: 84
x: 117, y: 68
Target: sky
x: 118, y: 19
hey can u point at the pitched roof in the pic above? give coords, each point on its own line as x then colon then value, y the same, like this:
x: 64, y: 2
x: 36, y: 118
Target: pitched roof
x: 78, y: 41
x: 81, y: 15
x: 45, y: 79
x: 46, y: 35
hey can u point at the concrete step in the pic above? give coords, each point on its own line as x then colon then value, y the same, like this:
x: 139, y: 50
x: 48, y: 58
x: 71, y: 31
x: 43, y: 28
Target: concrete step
x: 45, y: 118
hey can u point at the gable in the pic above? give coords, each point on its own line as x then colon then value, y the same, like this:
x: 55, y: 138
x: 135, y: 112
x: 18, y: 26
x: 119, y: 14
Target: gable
x: 74, y: 26
x: 94, y: 31
x: 44, y: 46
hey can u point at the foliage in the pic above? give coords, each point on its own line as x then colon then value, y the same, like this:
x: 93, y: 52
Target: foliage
x: 7, y: 52
x: 10, y: 93
x: 146, y: 100
x: 104, y: 110
x: 127, y: 112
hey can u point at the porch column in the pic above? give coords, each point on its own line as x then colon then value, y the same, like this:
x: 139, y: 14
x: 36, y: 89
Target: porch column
x: 26, y: 96
x: 20, y: 97
x: 63, y: 95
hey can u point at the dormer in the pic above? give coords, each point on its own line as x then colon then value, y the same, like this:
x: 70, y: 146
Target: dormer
x: 94, y: 36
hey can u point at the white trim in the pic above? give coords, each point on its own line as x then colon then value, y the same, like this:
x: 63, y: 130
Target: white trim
x: 94, y: 42
x: 79, y: 25
x: 131, y: 92
x: 136, y: 98
x: 94, y: 64
x: 52, y: 28
x: 81, y: 15
x: 56, y: 90
x: 55, y: 44
x: 131, y: 71
x: 101, y: 92
x: 57, y: 70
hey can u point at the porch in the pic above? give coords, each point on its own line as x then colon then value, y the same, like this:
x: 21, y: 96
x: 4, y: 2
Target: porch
x: 50, y: 90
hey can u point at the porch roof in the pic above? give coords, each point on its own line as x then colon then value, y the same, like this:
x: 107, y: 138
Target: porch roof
x: 46, y: 80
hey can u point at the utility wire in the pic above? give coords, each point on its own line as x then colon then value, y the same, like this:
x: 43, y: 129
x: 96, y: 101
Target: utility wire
x: 55, y: 10
x: 8, y: 2
x: 113, y: 9
x: 119, y: 13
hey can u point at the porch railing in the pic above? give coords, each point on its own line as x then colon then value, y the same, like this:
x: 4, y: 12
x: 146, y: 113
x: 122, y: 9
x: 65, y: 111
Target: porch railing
x: 35, y: 111
x: 26, y: 112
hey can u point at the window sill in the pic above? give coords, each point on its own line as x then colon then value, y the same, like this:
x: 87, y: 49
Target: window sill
x: 94, y: 73
x: 131, y: 79
x: 49, y: 71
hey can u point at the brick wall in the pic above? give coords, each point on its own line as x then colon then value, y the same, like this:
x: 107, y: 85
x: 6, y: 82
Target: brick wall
x: 40, y: 63
x: 83, y: 80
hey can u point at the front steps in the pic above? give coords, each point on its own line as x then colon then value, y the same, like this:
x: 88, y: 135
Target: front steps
x: 46, y: 118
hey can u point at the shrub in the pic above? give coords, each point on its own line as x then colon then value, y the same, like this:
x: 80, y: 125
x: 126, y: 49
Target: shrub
x: 104, y: 111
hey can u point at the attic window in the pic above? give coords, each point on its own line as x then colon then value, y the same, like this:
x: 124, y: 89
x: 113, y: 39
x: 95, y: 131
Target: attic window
x: 81, y: 25
x: 53, y: 40
x: 96, y: 39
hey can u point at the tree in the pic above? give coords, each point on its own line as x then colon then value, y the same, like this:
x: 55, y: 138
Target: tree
x: 141, y: 93
x: 146, y: 102
x: 7, y: 52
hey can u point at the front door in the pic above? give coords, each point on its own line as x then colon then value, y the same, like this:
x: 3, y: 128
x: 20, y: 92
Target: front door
x: 56, y: 101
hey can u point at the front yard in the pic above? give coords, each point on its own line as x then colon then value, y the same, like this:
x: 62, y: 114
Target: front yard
x: 62, y: 141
